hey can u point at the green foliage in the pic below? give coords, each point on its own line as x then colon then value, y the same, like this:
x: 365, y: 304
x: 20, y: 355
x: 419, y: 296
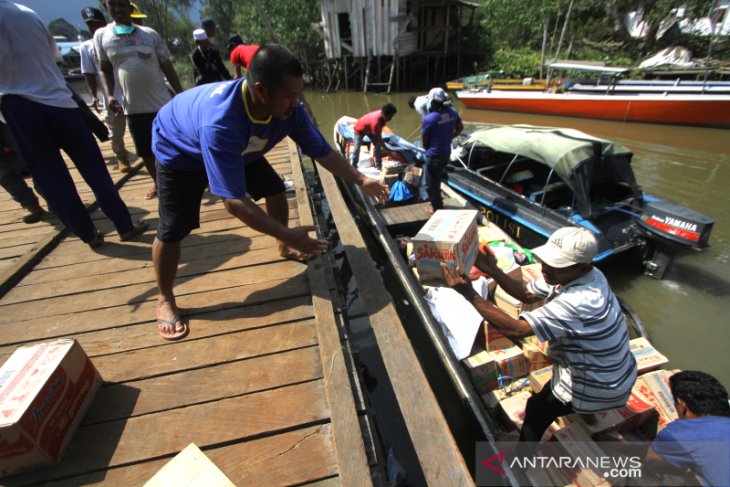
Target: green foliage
x: 516, y: 63
x: 61, y: 27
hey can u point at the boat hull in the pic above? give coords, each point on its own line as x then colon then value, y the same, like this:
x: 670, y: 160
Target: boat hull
x: 699, y: 110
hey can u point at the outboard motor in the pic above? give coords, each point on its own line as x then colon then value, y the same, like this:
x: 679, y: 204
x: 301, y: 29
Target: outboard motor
x: 672, y: 228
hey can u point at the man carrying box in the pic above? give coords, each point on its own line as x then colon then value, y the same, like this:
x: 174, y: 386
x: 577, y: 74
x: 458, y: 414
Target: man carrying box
x: 593, y: 368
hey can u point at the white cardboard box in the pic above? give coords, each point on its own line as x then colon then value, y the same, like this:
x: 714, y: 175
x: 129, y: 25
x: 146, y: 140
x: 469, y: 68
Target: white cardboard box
x: 190, y: 468
x: 45, y: 390
x: 449, y: 236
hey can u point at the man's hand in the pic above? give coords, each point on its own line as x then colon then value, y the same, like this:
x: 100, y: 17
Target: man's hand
x: 486, y: 261
x: 375, y: 189
x: 115, y: 106
x: 457, y: 280
x: 298, y: 238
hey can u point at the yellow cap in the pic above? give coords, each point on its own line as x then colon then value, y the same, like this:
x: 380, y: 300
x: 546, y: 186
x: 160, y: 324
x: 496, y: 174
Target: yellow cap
x: 136, y: 14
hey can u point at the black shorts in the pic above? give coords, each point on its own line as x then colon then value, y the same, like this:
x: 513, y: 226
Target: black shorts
x: 140, y: 127
x: 180, y: 193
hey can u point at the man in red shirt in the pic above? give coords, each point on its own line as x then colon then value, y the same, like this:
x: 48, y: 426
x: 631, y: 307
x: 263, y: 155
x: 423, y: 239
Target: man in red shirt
x: 241, y: 54
x: 372, y: 125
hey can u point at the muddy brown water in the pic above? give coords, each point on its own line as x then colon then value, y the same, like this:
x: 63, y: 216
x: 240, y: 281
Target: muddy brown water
x: 685, y: 313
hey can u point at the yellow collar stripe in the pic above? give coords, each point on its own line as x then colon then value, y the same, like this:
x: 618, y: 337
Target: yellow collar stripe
x: 248, y: 112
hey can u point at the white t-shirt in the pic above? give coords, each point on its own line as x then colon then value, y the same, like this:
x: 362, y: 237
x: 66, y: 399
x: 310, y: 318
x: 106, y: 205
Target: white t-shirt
x: 420, y: 105
x: 136, y: 60
x: 90, y: 65
x: 27, y: 58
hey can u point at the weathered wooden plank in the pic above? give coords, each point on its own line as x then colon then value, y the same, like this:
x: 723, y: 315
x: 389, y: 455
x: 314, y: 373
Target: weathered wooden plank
x: 164, y: 434
x: 350, y: 449
x: 108, y: 318
x: 227, y: 260
x: 289, y: 458
x: 137, y: 293
x: 434, y: 445
x: 207, y: 384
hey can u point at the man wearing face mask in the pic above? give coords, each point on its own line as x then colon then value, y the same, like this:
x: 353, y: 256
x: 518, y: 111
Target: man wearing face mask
x: 218, y: 134
x: 142, y: 62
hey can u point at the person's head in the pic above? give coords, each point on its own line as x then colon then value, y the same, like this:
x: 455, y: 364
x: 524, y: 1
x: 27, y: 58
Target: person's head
x: 275, y: 77
x: 567, y: 255
x: 209, y: 27
x: 119, y: 10
x: 437, y: 99
x: 698, y: 394
x: 94, y: 18
x: 200, y: 38
x: 233, y: 41
x: 388, y: 111
x: 412, y: 101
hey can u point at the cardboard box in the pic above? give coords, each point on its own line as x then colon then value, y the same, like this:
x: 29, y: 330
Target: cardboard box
x: 388, y: 179
x: 45, y: 390
x: 578, y: 443
x: 539, y: 378
x: 655, y: 386
x: 449, y: 236
x: 494, y: 340
x: 511, y: 362
x: 483, y: 370
x: 190, y: 468
x: 647, y: 357
x: 637, y: 410
x: 536, y: 352
x: 492, y: 398
x: 510, y: 305
x: 514, y: 406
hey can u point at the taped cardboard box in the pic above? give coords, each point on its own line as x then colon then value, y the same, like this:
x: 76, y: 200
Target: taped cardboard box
x: 511, y: 362
x: 513, y: 306
x: 575, y: 440
x: 655, y: 386
x: 637, y: 410
x: 536, y: 353
x: 494, y: 340
x: 647, y: 357
x: 449, y: 236
x: 486, y: 367
x: 412, y: 175
x: 388, y: 179
x: 45, y: 390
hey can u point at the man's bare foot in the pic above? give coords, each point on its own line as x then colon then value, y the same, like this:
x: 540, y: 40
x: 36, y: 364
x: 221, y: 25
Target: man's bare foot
x: 292, y: 254
x: 151, y: 193
x: 169, y: 323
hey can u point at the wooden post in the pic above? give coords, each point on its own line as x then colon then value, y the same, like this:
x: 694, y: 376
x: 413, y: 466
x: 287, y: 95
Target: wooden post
x: 367, y: 76
x: 544, y: 43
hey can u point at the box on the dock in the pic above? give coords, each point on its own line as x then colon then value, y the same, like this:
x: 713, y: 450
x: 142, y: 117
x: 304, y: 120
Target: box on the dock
x: 655, y: 386
x: 647, y: 357
x: 45, y: 390
x: 513, y: 306
x: 190, y: 468
x: 449, y: 236
x: 538, y: 378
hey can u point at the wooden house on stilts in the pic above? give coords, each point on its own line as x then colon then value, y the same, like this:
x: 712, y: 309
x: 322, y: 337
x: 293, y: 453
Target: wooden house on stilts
x: 393, y: 44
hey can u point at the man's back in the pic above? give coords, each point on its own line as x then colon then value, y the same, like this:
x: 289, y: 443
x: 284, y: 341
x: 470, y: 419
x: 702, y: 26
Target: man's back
x: 242, y: 54
x: 440, y: 126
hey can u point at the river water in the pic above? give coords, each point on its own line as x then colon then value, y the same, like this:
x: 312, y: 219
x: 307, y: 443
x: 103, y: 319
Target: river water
x: 683, y: 312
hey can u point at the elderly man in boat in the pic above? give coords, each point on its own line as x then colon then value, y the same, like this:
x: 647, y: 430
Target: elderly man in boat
x: 217, y: 135
x: 593, y: 368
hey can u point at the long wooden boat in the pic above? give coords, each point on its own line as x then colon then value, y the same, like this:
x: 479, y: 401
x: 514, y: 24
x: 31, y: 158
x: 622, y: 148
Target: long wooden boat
x: 389, y: 225
x: 680, y: 109
x: 611, y: 98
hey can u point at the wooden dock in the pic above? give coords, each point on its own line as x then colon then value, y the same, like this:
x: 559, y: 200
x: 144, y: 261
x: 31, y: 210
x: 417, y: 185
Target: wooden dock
x: 265, y: 384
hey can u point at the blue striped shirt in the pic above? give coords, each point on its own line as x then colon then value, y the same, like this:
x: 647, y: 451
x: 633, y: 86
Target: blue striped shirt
x: 589, y: 342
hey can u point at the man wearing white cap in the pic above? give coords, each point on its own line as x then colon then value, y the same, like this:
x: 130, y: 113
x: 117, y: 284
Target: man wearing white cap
x: 208, y: 66
x: 593, y: 368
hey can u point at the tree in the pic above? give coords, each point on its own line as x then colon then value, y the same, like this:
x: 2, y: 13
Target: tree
x: 61, y: 27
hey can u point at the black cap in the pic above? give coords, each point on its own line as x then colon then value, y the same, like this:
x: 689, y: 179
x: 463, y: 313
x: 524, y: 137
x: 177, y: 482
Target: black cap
x: 234, y: 40
x: 208, y: 24
x: 91, y: 14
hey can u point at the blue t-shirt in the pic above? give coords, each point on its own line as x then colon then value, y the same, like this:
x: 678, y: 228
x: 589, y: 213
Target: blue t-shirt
x: 209, y: 129
x: 440, y: 126
x: 702, y: 444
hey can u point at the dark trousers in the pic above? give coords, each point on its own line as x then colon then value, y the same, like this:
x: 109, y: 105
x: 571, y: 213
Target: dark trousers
x: 11, y: 165
x: 542, y: 409
x: 40, y: 132
x: 430, y: 189
x: 355, y: 156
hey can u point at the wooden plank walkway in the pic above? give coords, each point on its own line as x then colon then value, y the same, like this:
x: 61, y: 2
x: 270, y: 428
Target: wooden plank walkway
x: 264, y: 384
